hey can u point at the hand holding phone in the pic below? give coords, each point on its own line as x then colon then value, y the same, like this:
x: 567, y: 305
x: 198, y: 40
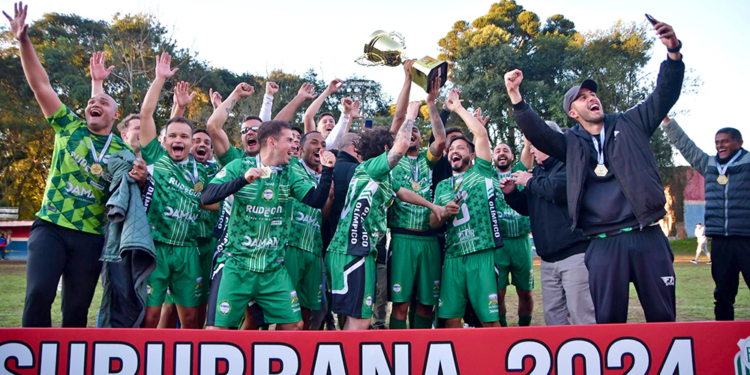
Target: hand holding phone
x: 651, y: 19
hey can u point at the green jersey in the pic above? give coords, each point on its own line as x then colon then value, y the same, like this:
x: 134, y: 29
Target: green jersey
x: 74, y: 197
x: 306, y: 221
x: 415, y: 174
x: 261, y: 213
x: 475, y: 227
x: 363, y: 219
x: 512, y: 224
x: 174, y: 210
x: 208, y: 219
x: 232, y: 154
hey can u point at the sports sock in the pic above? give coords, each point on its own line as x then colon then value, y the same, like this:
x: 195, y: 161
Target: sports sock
x: 503, y: 321
x: 421, y: 322
x: 524, y: 320
x: 396, y: 323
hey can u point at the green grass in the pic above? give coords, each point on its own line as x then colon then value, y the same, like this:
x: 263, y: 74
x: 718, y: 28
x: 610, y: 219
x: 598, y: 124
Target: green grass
x: 694, y: 293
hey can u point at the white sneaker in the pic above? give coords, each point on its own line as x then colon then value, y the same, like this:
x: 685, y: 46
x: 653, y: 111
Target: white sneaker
x: 694, y: 261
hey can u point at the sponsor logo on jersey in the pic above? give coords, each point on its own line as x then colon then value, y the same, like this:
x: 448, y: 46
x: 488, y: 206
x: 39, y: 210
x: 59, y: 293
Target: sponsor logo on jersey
x: 493, y: 299
x: 397, y: 288
x: 222, y: 173
x: 261, y: 242
x: 295, y: 299
x: 436, y: 285
x: 268, y: 194
x: 225, y: 307
x: 180, y: 214
x: 466, y: 234
x: 276, y: 222
x: 668, y: 280
x: 306, y: 219
x: 80, y: 191
x: 264, y: 211
x: 183, y: 189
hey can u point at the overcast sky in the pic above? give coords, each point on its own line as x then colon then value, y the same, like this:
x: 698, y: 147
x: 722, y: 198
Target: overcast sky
x: 328, y: 35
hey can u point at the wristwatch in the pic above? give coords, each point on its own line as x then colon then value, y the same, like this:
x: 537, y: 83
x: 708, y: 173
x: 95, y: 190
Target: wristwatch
x: 677, y: 49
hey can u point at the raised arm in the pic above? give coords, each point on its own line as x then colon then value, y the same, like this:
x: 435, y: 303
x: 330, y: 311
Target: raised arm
x: 313, y: 109
x: 694, y: 155
x: 265, y: 109
x: 181, y: 99
x: 532, y: 126
x: 344, y: 123
x: 98, y: 72
x: 438, y: 128
x: 527, y: 159
x: 305, y: 93
x: 32, y: 68
x: 163, y: 72
x: 482, y: 147
x: 403, y: 97
x: 215, y: 123
x: 401, y: 143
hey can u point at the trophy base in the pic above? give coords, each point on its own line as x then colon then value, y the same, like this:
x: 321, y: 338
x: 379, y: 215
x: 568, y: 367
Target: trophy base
x: 426, y: 69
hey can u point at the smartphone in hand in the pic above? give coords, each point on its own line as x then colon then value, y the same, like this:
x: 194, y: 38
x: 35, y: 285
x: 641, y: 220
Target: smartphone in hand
x: 368, y: 123
x: 651, y: 19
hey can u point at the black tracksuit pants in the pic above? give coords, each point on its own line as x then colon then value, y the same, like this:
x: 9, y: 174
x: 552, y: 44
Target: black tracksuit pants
x: 642, y: 257
x: 729, y: 256
x: 55, y: 251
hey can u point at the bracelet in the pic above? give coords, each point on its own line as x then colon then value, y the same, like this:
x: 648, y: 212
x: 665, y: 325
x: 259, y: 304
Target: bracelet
x: 676, y: 49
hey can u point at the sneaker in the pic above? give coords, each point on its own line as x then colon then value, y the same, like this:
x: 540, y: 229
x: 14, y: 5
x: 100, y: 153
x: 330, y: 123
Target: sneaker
x: 708, y: 262
x: 694, y: 261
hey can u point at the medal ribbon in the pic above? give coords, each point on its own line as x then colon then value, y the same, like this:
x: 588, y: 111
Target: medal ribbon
x: 260, y: 165
x: 414, y: 170
x: 192, y: 177
x: 311, y: 173
x: 99, y: 156
x: 723, y: 170
x: 599, y: 152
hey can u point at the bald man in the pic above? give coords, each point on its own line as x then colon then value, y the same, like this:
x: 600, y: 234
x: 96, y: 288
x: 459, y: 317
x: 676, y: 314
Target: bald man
x: 67, y: 238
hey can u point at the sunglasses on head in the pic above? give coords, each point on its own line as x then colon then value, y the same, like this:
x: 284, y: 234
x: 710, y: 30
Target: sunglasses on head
x: 253, y: 128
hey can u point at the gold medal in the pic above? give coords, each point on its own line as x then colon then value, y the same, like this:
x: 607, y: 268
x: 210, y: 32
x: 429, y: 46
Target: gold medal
x: 722, y: 180
x: 601, y: 170
x: 265, y: 172
x: 96, y: 169
x: 415, y: 185
x: 198, y: 187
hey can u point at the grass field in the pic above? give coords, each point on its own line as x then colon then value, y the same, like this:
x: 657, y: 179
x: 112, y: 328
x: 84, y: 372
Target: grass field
x: 694, y: 293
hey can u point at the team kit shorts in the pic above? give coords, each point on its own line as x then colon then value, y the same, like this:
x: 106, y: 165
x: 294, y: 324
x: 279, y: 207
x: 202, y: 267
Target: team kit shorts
x: 469, y: 279
x: 514, y: 260
x: 306, y: 271
x: 414, y: 269
x: 351, y: 280
x: 177, y: 269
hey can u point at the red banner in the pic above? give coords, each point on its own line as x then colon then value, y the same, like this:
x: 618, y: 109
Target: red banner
x: 634, y: 349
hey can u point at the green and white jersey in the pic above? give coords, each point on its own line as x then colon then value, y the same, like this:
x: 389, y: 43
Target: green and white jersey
x: 475, y: 227
x: 74, y: 197
x: 174, y: 211
x: 306, y: 221
x: 232, y: 154
x: 363, y: 219
x: 208, y: 219
x: 512, y: 224
x: 261, y: 213
x: 415, y: 174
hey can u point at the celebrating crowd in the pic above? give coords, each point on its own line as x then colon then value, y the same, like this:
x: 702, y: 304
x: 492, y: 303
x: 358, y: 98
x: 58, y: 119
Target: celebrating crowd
x: 301, y: 222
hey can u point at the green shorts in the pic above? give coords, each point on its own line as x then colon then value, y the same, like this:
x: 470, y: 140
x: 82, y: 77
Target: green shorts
x: 306, y: 271
x: 206, y: 247
x: 515, y: 259
x: 177, y: 268
x: 414, y: 263
x: 351, y: 280
x: 272, y: 291
x: 469, y: 278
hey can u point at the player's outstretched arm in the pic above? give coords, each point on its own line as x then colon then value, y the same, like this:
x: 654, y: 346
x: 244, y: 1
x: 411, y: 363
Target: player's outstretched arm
x: 438, y: 128
x: 401, y: 143
x: 98, y: 72
x: 215, y: 123
x: 265, y: 109
x: 32, y: 68
x: 306, y: 92
x: 403, y: 98
x: 181, y: 99
x: 409, y: 196
x: 314, y: 107
x: 163, y: 72
x: 481, y: 139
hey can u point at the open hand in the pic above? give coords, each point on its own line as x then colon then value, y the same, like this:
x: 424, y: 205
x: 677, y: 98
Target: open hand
x: 334, y: 86
x: 18, y: 22
x: 163, y: 62
x: 355, y: 110
x: 215, y: 98
x: 478, y: 116
x: 453, y: 103
x: 307, y: 91
x: 98, y: 73
x: 181, y: 96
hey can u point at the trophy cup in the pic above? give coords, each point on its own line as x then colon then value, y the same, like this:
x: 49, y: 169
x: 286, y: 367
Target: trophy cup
x: 387, y: 49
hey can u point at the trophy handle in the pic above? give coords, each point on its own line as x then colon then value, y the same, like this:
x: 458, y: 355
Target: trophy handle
x: 364, y: 61
x: 398, y: 37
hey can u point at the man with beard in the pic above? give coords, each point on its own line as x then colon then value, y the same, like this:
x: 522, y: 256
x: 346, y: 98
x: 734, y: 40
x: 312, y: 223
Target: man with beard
x: 473, y: 231
x: 415, y: 253
x: 174, y: 210
x: 513, y: 259
x: 303, y: 259
x: 328, y: 128
x: 727, y: 178
x: 565, y: 287
x: 614, y: 190
x: 350, y: 261
x: 67, y: 238
x: 250, y: 267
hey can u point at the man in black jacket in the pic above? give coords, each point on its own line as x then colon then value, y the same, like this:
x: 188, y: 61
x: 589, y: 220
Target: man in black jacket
x: 565, y: 285
x: 614, y: 191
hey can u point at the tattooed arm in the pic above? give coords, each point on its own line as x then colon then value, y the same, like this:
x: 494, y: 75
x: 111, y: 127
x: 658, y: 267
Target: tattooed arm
x: 216, y: 122
x: 401, y: 144
x: 438, y: 128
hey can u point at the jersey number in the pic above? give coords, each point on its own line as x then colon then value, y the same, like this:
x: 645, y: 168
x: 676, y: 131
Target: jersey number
x: 462, y: 217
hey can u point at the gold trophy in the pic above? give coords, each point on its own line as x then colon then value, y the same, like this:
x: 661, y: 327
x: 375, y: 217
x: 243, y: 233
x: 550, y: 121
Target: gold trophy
x: 387, y: 49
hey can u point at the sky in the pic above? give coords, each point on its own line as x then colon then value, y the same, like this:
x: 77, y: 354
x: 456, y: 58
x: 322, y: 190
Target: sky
x: 328, y: 35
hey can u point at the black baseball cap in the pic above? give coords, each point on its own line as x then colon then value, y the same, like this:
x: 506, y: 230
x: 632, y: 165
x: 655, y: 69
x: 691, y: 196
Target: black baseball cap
x: 572, y: 94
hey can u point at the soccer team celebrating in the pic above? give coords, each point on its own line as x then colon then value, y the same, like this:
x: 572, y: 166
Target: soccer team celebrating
x: 291, y: 224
